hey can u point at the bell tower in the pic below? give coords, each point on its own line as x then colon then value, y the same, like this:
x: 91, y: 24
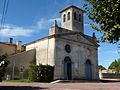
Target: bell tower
x: 72, y: 19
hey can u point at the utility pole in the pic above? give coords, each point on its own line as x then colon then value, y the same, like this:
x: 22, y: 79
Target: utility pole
x: 13, y: 70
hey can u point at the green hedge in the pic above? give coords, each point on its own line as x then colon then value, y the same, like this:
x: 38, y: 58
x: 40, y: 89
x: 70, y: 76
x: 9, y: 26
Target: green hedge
x: 41, y: 73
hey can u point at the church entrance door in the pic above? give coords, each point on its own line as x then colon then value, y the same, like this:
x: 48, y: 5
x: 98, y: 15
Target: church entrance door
x: 67, y: 68
x: 88, y: 70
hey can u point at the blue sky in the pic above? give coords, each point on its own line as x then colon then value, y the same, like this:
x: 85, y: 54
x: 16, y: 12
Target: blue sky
x: 28, y: 20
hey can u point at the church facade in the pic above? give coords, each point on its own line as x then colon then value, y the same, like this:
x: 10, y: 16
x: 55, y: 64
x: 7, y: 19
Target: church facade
x: 73, y: 54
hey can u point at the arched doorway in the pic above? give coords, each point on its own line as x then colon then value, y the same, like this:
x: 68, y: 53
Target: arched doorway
x: 67, y: 68
x: 88, y: 70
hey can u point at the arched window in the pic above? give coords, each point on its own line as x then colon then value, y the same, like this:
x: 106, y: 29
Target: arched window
x: 68, y: 16
x: 79, y: 17
x: 88, y: 62
x: 64, y: 18
x: 67, y: 59
x: 75, y: 16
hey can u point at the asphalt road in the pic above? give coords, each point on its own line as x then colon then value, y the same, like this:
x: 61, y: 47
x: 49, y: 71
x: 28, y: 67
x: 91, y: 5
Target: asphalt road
x: 59, y: 86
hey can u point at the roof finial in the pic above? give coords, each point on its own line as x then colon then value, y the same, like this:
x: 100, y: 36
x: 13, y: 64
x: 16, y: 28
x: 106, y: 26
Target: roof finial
x: 55, y: 23
x: 94, y: 36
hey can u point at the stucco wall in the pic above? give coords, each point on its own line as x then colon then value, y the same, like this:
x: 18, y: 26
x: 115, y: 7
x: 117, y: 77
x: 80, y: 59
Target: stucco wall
x: 44, y: 51
x: 79, y: 54
x: 72, y: 24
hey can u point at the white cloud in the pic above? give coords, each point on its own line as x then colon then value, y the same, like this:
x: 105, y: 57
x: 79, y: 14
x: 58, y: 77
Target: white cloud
x: 115, y: 52
x: 107, y: 51
x: 11, y: 30
x: 99, y: 48
x: 86, y: 24
x: 47, y: 23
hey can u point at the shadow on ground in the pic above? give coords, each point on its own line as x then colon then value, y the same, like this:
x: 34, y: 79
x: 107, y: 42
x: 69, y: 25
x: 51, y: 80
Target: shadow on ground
x: 21, y: 88
x: 109, y: 81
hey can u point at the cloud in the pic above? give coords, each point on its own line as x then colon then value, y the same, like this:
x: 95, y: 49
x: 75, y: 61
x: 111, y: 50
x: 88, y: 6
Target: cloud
x: 99, y: 48
x: 44, y: 23
x: 115, y: 52
x: 11, y: 30
x: 86, y: 25
x: 68, y: 0
x: 107, y: 51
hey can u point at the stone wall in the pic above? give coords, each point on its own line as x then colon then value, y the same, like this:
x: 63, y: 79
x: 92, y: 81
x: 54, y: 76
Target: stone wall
x: 110, y: 76
x: 20, y: 63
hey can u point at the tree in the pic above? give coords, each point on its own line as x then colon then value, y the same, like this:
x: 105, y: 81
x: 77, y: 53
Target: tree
x: 106, y: 17
x: 3, y: 64
x: 115, y: 66
x: 101, y: 67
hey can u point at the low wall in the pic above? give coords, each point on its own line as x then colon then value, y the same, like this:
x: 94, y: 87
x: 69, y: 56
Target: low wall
x: 111, y: 75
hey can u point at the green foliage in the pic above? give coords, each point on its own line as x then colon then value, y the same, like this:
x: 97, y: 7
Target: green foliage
x: 3, y: 65
x: 21, y: 80
x: 105, y: 13
x: 115, y: 66
x: 33, y: 69
x: 41, y: 73
x: 101, y: 67
x: 26, y: 74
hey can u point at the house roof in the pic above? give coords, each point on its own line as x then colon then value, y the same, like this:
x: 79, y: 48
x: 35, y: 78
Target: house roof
x: 6, y: 43
x: 39, y: 39
x: 71, y: 6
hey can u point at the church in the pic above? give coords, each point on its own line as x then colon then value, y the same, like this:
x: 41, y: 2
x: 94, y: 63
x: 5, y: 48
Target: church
x: 73, y: 54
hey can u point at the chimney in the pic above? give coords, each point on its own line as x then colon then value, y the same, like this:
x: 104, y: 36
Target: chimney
x: 19, y: 46
x: 10, y: 40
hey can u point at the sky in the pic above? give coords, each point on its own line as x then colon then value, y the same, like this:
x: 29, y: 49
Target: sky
x: 29, y: 20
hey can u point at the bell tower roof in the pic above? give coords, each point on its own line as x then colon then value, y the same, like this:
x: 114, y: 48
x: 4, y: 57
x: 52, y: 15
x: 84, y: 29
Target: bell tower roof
x: 71, y: 6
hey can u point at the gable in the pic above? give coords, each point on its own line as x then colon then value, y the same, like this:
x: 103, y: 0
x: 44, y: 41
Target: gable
x: 77, y: 37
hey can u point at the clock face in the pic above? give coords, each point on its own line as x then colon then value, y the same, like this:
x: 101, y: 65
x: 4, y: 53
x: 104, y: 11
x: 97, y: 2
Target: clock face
x: 67, y: 48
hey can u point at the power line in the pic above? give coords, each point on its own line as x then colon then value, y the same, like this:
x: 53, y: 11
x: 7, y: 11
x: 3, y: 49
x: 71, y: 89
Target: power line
x: 2, y: 16
x: 4, y: 12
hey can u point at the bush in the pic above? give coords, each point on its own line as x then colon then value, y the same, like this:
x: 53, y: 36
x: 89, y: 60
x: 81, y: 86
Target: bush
x: 41, y: 73
x: 45, y: 73
x: 33, y: 72
x: 3, y: 64
x: 25, y: 74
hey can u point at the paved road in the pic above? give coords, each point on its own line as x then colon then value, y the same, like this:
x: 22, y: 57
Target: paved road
x: 59, y: 86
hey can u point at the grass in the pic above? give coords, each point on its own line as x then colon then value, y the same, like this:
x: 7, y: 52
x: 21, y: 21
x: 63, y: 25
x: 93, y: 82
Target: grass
x: 21, y: 80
